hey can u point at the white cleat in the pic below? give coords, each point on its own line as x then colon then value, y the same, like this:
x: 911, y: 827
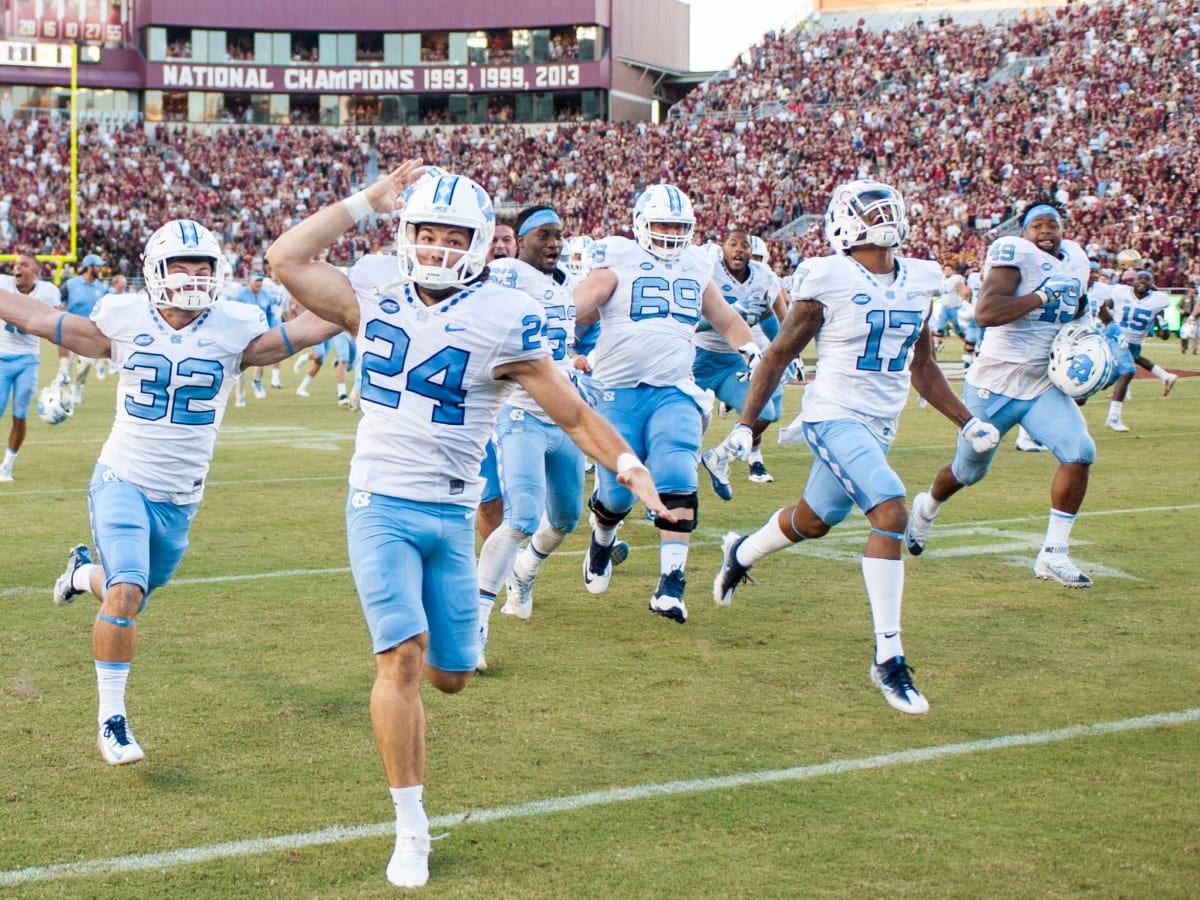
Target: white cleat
x: 1055, y: 565
x: 894, y: 678
x: 1169, y: 382
x: 409, y: 865
x: 6, y: 474
x: 597, y: 563
x: 920, y: 523
x: 117, y: 744
x: 302, y: 392
x: 1115, y: 425
x: 520, y: 597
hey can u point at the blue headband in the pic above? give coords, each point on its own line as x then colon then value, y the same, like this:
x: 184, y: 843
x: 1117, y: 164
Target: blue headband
x: 538, y: 219
x: 1042, y: 209
x: 1145, y: 272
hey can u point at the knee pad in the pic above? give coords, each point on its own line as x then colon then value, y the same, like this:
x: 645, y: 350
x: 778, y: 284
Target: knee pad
x: 676, y: 501
x: 603, y: 514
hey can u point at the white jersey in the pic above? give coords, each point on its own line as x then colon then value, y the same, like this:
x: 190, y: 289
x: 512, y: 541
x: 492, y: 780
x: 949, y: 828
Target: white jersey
x: 646, y: 325
x: 1097, y: 295
x: 951, y: 298
x: 429, y: 396
x: 172, y: 390
x: 1133, y: 314
x: 864, y: 346
x: 750, y: 298
x: 14, y: 341
x: 559, y: 308
x: 1012, y: 360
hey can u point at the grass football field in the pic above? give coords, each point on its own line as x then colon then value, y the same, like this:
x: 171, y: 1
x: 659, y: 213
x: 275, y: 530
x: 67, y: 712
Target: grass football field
x: 608, y: 752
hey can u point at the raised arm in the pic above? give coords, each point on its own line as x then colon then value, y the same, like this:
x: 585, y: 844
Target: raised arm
x: 284, y: 340
x: 583, y: 425
x: 318, y: 286
x: 75, y: 333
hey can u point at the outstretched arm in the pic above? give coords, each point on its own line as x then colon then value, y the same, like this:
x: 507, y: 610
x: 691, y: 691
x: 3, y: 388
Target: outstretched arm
x: 319, y: 286
x: 284, y: 340
x: 583, y: 425
x: 591, y: 293
x: 75, y: 333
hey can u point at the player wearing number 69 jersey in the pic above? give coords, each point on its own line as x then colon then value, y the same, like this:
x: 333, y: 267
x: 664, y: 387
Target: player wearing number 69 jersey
x: 867, y: 308
x: 1033, y: 286
x: 649, y: 294
x: 178, y: 349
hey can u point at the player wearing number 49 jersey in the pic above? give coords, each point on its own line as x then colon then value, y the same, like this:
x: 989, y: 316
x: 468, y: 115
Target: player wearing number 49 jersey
x: 440, y: 349
x: 178, y: 349
x: 1033, y: 288
x: 867, y: 308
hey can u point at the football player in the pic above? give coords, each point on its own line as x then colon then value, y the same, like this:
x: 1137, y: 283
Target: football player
x: 649, y: 294
x: 1129, y: 312
x: 80, y: 295
x: 542, y: 472
x: 177, y: 349
x: 868, y: 310
x: 750, y: 288
x: 19, y: 354
x: 440, y: 347
x: 1033, y: 286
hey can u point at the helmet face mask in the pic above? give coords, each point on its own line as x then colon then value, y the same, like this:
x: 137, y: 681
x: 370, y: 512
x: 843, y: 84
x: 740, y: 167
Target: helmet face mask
x: 54, y: 404
x: 575, y: 258
x: 449, y: 201
x: 1081, y: 361
x: 658, y: 205
x: 866, y: 214
x: 184, y: 239
x: 759, y: 251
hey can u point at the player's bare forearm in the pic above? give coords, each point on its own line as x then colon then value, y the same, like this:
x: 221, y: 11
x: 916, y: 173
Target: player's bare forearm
x: 75, y: 333
x: 930, y: 382
x: 284, y: 340
x: 763, y: 382
x: 800, y: 326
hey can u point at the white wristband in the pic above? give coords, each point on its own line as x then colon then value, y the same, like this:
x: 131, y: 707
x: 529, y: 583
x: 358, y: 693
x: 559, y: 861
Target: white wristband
x: 358, y: 206
x: 627, y: 462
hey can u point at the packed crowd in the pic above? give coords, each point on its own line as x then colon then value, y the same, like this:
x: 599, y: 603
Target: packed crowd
x: 1107, y: 121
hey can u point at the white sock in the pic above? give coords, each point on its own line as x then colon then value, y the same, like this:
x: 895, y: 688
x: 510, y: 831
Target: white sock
x: 755, y: 454
x: 410, y: 809
x: 885, y: 589
x: 10, y: 456
x: 111, y: 678
x: 81, y: 578
x: 341, y: 389
x: 1114, y: 410
x: 932, y: 507
x: 64, y: 365
x: 305, y: 382
x: 486, y: 602
x: 496, y: 556
x: 1160, y: 373
x: 545, y: 541
x: 604, y: 535
x: 766, y: 540
x: 1058, y: 531
x: 672, y: 555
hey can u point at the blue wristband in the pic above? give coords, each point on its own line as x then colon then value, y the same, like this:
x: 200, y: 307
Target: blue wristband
x: 286, y: 342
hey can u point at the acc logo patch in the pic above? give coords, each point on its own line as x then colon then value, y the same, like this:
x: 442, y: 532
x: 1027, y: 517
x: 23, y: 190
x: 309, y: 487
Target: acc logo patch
x: 389, y: 306
x: 144, y: 340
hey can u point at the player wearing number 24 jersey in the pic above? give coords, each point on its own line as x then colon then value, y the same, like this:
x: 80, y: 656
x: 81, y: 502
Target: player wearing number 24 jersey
x: 440, y: 348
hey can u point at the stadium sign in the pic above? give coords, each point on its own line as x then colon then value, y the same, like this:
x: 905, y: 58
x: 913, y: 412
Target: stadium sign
x: 42, y: 56
x: 375, y: 79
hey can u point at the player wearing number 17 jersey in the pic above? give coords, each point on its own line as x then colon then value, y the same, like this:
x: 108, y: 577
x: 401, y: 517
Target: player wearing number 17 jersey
x: 178, y: 349
x: 440, y: 348
x: 648, y: 296
x: 867, y: 308
x: 1033, y: 286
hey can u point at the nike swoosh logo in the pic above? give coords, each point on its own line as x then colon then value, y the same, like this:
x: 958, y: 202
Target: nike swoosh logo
x: 450, y: 327
x: 205, y: 343
x: 890, y: 634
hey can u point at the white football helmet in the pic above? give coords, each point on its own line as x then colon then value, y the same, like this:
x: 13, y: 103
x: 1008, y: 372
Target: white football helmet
x: 1081, y: 362
x: 184, y: 239
x: 576, y: 258
x: 663, y: 204
x: 54, y: 404
x: 449, y: 200
x: 865, y: 213
x: 759, y: 251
